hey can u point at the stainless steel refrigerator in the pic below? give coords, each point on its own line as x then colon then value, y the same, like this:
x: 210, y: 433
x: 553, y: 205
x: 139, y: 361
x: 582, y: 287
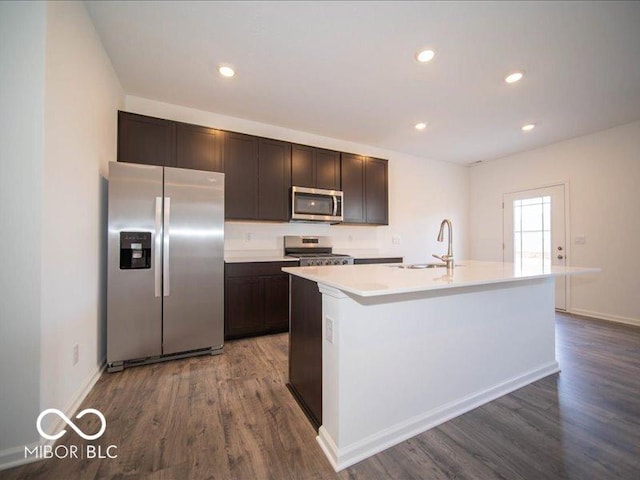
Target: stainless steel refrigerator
x: 165, y: 264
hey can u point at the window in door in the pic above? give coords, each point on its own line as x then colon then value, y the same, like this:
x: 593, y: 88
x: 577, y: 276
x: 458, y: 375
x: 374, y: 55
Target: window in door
x: 532, y: 232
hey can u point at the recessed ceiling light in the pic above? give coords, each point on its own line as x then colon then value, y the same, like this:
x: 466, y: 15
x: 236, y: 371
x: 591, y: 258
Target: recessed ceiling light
x: 528, y: 127
x: 514, y: 77
x: 226, y: 71
x: 420, y: 126
x: 425, y: 55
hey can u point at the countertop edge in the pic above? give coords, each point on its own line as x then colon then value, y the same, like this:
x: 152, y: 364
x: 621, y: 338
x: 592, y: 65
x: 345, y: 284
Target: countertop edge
x: 427, y: 288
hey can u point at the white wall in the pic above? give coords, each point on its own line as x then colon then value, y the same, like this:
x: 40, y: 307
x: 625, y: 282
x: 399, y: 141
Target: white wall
x: 82, y: 96
x: 22, y: 53
x: 603, y: 171
x: 421, y: 193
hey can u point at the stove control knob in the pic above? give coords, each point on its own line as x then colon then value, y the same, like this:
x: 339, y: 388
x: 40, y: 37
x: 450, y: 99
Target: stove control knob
x: 345, y: 262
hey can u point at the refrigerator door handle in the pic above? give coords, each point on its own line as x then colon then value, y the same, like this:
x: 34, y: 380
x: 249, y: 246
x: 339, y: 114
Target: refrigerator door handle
x: 166, y: 287
x: 157, y: 245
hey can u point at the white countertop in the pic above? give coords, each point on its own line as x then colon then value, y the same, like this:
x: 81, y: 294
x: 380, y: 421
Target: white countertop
x: 385, y: 279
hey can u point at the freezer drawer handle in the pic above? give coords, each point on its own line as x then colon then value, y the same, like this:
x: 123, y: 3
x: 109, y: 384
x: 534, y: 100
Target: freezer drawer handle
x: 157, y: 246
x: 166, y: 288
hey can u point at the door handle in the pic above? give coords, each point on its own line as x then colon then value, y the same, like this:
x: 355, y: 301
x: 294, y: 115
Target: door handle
x: 335, y: 205
x: 157, y: 245
x: 166, y: 287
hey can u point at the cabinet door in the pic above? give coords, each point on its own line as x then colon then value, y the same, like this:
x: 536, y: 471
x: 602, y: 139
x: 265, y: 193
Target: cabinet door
x: 302, y: 166
x: 274, y: 179
x: 240, y: 163
x: 198, y: 148
x: 276, y: 302
x: 244, y: 306
x: 352, y: 167
x: 145, y: 140
x: 376, y: 191
x: 327, y: 166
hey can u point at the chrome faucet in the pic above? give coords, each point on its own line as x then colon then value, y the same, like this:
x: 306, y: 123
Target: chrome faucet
x: 448, y: 258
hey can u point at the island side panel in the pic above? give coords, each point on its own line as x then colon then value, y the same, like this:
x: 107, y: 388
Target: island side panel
x: 305, y: 347
x: 398, y: 365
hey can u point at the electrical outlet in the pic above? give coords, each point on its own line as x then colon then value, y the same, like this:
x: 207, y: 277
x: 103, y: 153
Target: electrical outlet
x: 328, y: 334
x: 395, y: 240
x: 76, y: 354
x: 580, y: 240
x: 247, y: 237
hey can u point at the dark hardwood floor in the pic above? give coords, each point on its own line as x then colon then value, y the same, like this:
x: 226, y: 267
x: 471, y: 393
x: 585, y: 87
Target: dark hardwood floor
x: 231, y: 417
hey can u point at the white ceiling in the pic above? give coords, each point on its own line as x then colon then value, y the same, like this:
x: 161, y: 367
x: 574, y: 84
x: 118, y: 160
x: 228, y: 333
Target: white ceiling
x: 346, y: 69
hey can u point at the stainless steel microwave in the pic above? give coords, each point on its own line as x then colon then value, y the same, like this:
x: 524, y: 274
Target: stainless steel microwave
x: 316, y: 205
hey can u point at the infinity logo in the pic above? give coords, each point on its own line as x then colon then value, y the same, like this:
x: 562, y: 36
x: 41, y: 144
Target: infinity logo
x: 71, y: 424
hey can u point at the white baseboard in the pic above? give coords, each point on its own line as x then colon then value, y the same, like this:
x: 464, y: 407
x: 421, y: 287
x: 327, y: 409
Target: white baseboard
x: 341, y: 458
x: 81, y: 393
x: 606, y: 316
x: 14, y: 457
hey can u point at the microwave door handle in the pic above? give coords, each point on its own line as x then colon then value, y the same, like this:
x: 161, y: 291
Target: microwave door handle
x: 335, y: 205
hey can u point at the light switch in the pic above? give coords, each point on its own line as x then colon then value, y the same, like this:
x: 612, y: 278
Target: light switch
x: 580, y: 240
x: 328, y: 334
x: 395, y: 240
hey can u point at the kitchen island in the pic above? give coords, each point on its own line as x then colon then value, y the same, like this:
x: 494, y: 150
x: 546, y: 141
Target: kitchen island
x: 404, y: 350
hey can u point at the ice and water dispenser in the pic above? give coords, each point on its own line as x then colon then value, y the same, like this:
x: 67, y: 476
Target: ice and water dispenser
x: 135, y: 250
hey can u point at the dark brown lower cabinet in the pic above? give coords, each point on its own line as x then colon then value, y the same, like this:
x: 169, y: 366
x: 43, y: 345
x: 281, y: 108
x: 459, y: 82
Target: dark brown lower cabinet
x: 305, y: 348
x: 256, y: 299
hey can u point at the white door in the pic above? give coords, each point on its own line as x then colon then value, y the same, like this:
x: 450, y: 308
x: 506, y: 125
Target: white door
x: 535, y: 232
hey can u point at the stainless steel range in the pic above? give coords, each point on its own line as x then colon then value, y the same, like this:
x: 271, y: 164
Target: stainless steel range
x: 314, y: 251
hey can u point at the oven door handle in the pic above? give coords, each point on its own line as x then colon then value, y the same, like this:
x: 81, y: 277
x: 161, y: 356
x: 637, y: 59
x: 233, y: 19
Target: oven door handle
x: 335, y: 205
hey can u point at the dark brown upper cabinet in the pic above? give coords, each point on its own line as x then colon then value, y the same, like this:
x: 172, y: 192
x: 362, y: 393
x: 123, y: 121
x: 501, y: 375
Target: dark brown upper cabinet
x: 315, y: 167
x: 146, y: 140
x: 198, y: 148
x: 259, y: 172
x: 365, y: 183
x: 240, y: 153
x: 257, y: 178
x: 376, y: 191
x: 153, y: 141
x: 274, y: 179
x: 353, y: 188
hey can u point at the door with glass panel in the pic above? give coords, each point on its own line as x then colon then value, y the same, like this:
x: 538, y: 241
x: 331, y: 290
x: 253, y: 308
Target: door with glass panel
x: 534, y: 232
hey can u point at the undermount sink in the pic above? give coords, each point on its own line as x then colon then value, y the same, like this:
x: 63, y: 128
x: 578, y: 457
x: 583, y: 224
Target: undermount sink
x: 419, y: 266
